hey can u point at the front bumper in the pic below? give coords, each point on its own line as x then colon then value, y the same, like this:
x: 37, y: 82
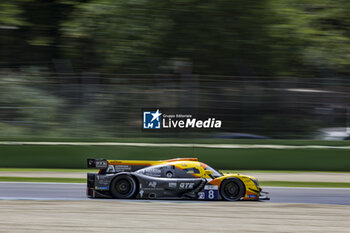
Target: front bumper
x: 263, y: 196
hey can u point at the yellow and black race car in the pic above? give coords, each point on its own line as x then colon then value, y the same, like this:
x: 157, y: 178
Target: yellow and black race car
x: 182, y: 178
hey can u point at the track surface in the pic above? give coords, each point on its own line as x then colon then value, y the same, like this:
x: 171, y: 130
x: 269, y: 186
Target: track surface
x: 64, y: 191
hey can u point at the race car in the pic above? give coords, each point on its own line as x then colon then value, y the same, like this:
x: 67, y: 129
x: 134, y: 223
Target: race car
x: 181, y: 178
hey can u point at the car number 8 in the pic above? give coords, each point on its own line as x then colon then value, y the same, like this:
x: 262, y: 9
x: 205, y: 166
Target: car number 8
x: 211, y: 194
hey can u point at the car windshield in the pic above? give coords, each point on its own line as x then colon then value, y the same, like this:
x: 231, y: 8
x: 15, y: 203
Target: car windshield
x: 215, y: 172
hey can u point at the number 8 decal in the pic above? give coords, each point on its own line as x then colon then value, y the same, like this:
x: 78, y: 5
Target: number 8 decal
x: 211, y: 194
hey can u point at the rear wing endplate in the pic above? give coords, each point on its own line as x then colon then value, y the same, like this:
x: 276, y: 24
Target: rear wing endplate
x: 97, y: 163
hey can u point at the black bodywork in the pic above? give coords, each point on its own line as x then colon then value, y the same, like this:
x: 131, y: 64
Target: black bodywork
x: 155, y: 182
x: 163, y: 181
x: 147, y: 187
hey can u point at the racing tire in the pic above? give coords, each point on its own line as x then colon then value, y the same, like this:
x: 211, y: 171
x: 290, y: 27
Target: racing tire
x: 232, y: 189
x: 123, y: 187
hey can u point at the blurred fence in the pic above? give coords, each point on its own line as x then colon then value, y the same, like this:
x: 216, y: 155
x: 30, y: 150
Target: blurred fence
x: 37, y: 102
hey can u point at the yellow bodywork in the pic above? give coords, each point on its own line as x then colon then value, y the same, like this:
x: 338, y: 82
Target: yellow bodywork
x: 252, y: 189
x: 149, y: 162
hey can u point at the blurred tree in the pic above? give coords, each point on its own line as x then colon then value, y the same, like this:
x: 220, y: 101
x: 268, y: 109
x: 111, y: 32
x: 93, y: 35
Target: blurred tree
x: 10, y: 21
x: 246, y: 38
x: 257, y: 37
x: 320, y: 30
x: 225, y: 37
x: 10, y: 14
x: 31, y: 29
x: 27, y: 109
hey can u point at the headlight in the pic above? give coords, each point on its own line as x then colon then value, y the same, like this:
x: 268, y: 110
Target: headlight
x: 255, y: 182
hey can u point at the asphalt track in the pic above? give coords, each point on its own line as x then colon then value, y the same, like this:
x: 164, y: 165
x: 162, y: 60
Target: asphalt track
x: 66, y: 191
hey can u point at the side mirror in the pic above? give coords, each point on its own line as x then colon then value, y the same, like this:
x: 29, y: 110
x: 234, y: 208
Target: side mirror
x: 208, y: 172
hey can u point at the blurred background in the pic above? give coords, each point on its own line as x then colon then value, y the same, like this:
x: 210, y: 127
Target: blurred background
x: 85, y: 68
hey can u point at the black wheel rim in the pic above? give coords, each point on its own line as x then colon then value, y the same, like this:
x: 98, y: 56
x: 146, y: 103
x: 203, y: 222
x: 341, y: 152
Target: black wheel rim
x: 123, y: 186
x: 231, y: 190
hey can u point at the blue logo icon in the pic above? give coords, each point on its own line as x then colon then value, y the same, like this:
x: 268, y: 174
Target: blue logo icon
x: 151, y: 120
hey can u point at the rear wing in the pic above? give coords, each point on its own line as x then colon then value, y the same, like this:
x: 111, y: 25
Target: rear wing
x: 97, y: 163
x: 130, y: 165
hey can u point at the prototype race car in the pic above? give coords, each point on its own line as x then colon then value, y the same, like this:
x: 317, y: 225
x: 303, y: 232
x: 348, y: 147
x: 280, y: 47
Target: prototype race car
x: 182, y: 178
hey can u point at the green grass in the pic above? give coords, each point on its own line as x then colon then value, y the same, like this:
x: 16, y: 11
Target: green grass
x: 262, y: 183
x: 41, y: 179
x: 272, y: 171
x: 176, y: 140
x: 305, y: 184
x: 74, y: 157
x: 63, y: 170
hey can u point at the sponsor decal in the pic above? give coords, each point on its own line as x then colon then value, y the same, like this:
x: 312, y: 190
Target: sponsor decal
x: 252, y: 196
x: 152, y: 172
x: 201, y: 195
x: 122, y: 168
x: 152, y: 184
x: 186, y: 185
x: 102, y: 179
x: 141, y: 193
x: 211, y: 187
x: 101, y: 164
x: 110, y: 168
x: 153, y: 189
x: 172, y: 185
x: 101, y: 187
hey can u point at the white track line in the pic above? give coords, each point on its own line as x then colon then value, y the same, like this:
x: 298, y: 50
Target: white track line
x: 218, y: 146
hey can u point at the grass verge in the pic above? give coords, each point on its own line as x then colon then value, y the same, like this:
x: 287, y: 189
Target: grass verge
x: 262, y: 183
x: 274, y: 171
x: 186, y: 141
x: 41, y: 179
x: 74, y: 157
x: 305, y: 184
x: 63, y: 170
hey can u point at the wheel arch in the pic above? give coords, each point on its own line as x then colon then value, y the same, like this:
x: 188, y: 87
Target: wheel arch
x: 136, y: 180
x: 235, y: 179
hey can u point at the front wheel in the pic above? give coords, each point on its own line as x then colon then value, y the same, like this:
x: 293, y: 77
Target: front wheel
x: 123, y: 187
x: 232, y: 189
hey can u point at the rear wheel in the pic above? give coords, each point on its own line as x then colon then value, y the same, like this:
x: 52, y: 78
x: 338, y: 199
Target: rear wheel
x: 232, y: 189
x: 123, y: 187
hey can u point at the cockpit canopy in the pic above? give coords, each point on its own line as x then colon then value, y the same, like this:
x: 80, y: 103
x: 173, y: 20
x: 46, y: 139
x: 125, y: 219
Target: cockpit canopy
x: 181, y: 169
